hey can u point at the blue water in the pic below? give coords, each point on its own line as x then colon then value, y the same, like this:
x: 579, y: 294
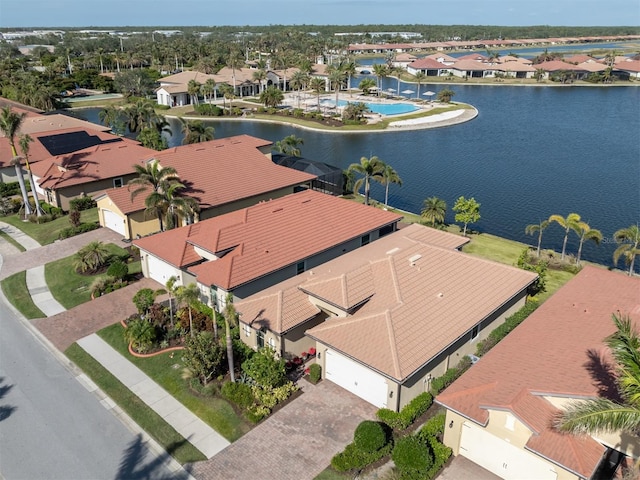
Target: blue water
x: 531, y: 152
x: 382, y: 108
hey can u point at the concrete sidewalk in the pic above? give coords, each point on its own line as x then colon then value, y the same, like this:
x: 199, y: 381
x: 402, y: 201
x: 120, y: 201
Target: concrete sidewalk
x: 40, y: 293
x: 198, y: 433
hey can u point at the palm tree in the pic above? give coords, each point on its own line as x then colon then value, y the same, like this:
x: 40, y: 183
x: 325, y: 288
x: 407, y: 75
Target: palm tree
x: 602, y: 414
x: 445, y: 95
x: 111, y: 116
x: 24, y: 140
x: 366, y: 84
x: 539, y: 228
x: 272, y: 96
x: 195, y: 131
x: 539, y: 74
x: 260, y: 76
x: 389, y: 175
x: 289, y: 145
x: 629, y: 240
x: 397, y: 72
x: 370, y: 169
x: 585, y: 232
x: 227, y: 94
x: 188, y: 295
x: 317, y: 84
x: 209, y: 89
x: 434, y: 210
x: 230, y: 318
x: 380, y: 70
x: 10, y: 123
x: 139, y: 115
x: 167, y: 205
x: 298, y: 82
x: 569, y: 223
x: 171, y: 290
x: 193, y: 89
x: 420, y: 76
x: 349, y: 68
x: 152, y: 177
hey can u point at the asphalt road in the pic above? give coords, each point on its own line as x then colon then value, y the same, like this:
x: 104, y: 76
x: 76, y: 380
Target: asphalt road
x: 51, y: 427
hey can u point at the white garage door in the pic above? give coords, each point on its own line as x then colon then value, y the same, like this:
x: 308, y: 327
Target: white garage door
x: 114, y: 222
x: 502, y: 458
x: 159, y: 270
x: 356, y: 378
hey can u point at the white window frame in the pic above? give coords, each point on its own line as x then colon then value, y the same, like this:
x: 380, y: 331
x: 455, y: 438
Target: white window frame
x: 247, y: 330
x: 116, y: 181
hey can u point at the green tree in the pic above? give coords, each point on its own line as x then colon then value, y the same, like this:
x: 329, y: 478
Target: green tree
x: 138, y: 83
x: 260, y: 76
x: 389, y: 176
x: 189, y: 296
x: 380, y: 71
x: 366, y: 84
x: 538, y: 228
x: 585, y: 232
x: 193, y: 89
x: 91, y: 257
x: 171, y: 290
x: 152, y: 179
x: 420, y: 77
x: 272, y: 96
x: 228, y: 93
x: 445, y: 95
x: 265, y: 368
x: 112, y: 117
x: 25, y: 140
x: 467, y: 211
x: 569, y: 223
x: 152, y: 138
x: 602, y: 414
x: 289, y: 145
x: 354, y: 111
x: 434, y: 210
x: 203, y: 356
x: 209, y: 89
x: 336, y: 78
x: 195, y: 131
x: 168, y: 203
x: 318, y: 85
x: 10, y: 123
x: 230, y: 320
x: 140, y: 334
x: 370, y: 169
x: 628, y: 240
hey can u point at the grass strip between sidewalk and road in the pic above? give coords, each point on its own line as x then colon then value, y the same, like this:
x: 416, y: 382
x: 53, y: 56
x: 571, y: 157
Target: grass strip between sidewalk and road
x: 12, y: 241
x: 144, y: 416
x: 166, y: 370
x: 15, y: 289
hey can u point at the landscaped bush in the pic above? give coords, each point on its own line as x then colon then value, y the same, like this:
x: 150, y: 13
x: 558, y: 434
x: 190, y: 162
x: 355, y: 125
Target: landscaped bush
x: 203, y: 357
x: 353, y: 458
x: 91, y: 258
x: 34, y: 218
x: 503, y: 330
x: 55, y: 212
x: 141, y: 334
x: 82, y: 203
x: 73, y: 231
x: 257, y: 413
x: 272, y: 396
x: 406, y: 416
x: 209, y: 110
x: 143, y: 299
x: 434, y: 427
x: 298, y: 112
x: 265, y: 369
x: 438, y: 384
x: 238, y: 393
x: 370, y: 436
x: 118, y: 270
x: 315, y: 373
x: 441, y: 454
x: 412, y: 457
x: 9, y: 189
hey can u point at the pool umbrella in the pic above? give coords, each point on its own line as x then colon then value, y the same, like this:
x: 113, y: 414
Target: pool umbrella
x: 408, y: 92
x: 429, y: 94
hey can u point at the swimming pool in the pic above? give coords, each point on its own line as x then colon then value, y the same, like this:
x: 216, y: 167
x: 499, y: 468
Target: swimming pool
x: 382, y: 108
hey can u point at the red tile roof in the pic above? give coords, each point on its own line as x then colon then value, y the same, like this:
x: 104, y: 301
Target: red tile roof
x: 404, y: 284
x: 427, y: 64
x: 548, y: 355
x: 268, y: 236
x: 219, y: 172
x: 557, y: 65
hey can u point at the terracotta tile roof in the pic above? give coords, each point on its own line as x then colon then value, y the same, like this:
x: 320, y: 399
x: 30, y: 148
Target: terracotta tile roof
x: 629, y: 66
x: 580, y: 311
x: 442, y: 56
x: 411, y: 287
x: 91, y: 164
x: 219, y: 172
x: 556, y: 65
x: 579, y: 58
x: 471, y: 65
x: 427, y: 64
x: 57, y: 121
x: 270, y: 235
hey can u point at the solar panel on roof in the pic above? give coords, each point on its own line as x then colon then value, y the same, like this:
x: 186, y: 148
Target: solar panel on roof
x: 63, y: 143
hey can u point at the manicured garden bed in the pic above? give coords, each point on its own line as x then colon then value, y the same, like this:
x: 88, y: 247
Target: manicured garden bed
x: 46, y: 233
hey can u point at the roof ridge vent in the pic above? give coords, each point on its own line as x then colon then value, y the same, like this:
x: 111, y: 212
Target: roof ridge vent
x: 393, y: 250
x: 414, y: 258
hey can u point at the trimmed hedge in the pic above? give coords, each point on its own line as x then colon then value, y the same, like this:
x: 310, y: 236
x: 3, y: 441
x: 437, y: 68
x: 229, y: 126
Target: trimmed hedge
x: 352, y: 458
x: 209, y: 110
x: 434, y: 427
x: 82, y: 203
x: 412, y: 457
x: 370, y: 436
x: 503, y: 330
x: 406, y: 416
x: 73, y: 231
x: 238, y: 393
x: 438, y: 384
x: 315, y: 373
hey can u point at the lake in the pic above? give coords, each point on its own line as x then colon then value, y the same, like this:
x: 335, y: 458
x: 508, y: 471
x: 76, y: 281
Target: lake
x: 531, y: 152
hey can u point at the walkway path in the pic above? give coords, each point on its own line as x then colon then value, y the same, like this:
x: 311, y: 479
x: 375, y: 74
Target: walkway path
x: 198, y: 433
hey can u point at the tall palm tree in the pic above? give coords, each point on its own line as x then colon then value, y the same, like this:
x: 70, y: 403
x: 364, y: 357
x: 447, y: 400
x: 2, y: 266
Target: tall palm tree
x: 112, y: 117
x: 152, y: 179
x: 317, y: 84
x: 350, y: 70
x: 602, y: 414
x: 188, y: 295
x: 272, y: 96
x: 230, y: 318
x: 434, y: 210
x: 209, y: 89
x: 260, y: 76
x: 10, y: 123
x: 24, y: 140
x: 171, y: 290
x: 629, y: 241
x: 167, y: 204
x: 585, y: 232
x: 299, y: 81
x: 193, y: 89
x: 227, y: 94
x: 380, y: 70
x: 389, y: 175
x: 195, y: 131
x: 140, y: 115
x: 537, y: 228
x: 569, y: 223
x: 289, y: 145
x: 370, y: 169
x: 420, y: 76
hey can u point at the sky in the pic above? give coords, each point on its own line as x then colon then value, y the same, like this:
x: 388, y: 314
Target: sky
x: 115, y: 13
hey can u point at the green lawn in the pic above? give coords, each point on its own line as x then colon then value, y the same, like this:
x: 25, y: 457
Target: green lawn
x: 145, y: 417
x: 15, y: 289
x: 46, y: 233
x: 166, y: 370
x: 13, y: 242
x: 71, y: 288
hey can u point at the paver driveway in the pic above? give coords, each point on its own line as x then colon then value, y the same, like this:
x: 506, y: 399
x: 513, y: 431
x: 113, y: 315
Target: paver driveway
x: 295, y: 443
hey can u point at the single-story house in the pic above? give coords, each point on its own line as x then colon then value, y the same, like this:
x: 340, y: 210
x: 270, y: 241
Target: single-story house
x: 500, y: 412
x: 386, y: 318
x: 221, y: 175
x: 248, y: 250
x: 628, y: 69
x: 428, y: 66
x: 89, y: 171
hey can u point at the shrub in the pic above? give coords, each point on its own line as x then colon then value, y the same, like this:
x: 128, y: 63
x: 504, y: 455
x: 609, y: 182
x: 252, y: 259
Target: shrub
x: 143, y: 299
x: 9, y: 189
x: 352, y: 458
x: 74, y: 218
x: 91, y: 257
x: 50, y: 209
x: 370, y: 436
x: 73, y: 231
x: 118, y: 270
x: 82, y: 203
x: 140, y: 334
x: 238, y: 393
x: 257, y: 413
x: 208, y: 110
x: 503, y: 330
x: 34, y: 218
x: 298, y: 112
x: 411, y: 456
x: 434, y: 427
x: 315, y: 373
x: 265, y: 368
x: 408, y: 414
x: 203, y: 356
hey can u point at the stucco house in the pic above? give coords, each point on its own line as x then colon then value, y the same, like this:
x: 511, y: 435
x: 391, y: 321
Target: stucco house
x: 500, y: 412
x: 386, y: 318
x: 248, y: 250
x: 221, y: 175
